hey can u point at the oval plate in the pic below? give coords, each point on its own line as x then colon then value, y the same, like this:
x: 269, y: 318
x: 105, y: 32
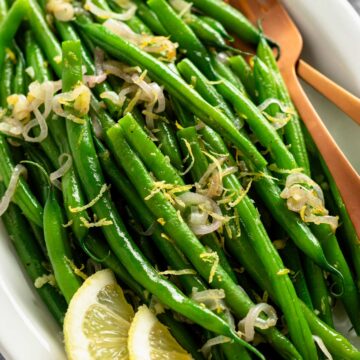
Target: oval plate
x: 27, y: 330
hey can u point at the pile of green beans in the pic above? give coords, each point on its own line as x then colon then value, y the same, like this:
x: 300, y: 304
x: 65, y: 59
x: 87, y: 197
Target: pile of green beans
x: 212, y: 133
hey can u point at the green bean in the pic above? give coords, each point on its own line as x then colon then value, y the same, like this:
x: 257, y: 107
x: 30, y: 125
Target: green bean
x: 19, y: 80
x: 348, y: 291
x: 263, y: 130
x: 91, y: 176
x: 178, y: 88
x: 149, y: 18
x: 189, y: 136
x: 189, y: 72
x: 170, y: 252
x: 242, y: 69
x: 291, y: 258
x: 39, y: 178
x: 168, y: 144
x: 3, y: 10
x: 271, y: 260
x: 35, y: 58
x: 52, y: 49
x: 265, y: 86
x: 217, y: 26
x: 182, y: 34
x: 347, y: 227
x: 32, y: 259
x: 9, y: 26
x: 44, y: 36
x: 72, y: 193
x: 320, y: 296
x: 265, y: 186
x: 23, y: 196
x: 206, y: 33
x: 185, y: 117
x: 164, y: 171
x: 181, y: 234
x: 293, y: 133
x: 224, y: 72
x: 338, y: 345
x: 349, y: 231
x: 7, y: 74
x: 58, y: 248
x: 323, y: 232
x: 134, y: 22
x: 108, y: 259
x: 231, y: 18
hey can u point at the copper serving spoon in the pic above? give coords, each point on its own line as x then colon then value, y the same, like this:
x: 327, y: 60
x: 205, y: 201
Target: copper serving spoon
x: 278, y: 26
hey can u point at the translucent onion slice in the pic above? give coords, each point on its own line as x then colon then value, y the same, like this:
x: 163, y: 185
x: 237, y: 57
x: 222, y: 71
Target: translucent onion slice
x: 80, y: 97
x: 99, y: 56
x: 11, y: 189
x: 221, y: 339
x: 20, y: 106
x: 299, y: 178
x: 38, y: 121
x: 333, y: 221
x: 65, y: 161
x: 182, y: 7
x: 208, y: 206
x: 322, y: 347
x: 62, y: 10
x: 93, y: 80
x: 264, y: 105
x: 160, y: 45
x: 121, y: 29
x: 213, y: 299
x: 105, y: 14
x: 252, y: 320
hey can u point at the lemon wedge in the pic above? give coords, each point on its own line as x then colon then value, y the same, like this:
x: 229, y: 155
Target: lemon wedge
x: 151, y: 340
x: 97, y: 322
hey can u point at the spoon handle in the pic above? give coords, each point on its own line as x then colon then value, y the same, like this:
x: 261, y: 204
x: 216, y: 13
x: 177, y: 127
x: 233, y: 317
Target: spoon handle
x: 345, y: 176
x: 343, y: 99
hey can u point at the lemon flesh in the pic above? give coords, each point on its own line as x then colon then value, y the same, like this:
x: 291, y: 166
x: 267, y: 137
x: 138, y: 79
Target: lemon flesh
x: 151, y: 340
x: 97, y: 322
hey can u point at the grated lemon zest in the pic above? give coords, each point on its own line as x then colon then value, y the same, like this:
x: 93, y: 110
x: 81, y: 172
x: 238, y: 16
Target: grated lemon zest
x: 283, y: 272
x: 241, y: 195
x: 211, y: 257
x: 69, y: 223
x: 178, y: 272
x: 99, y: 223
x: 190, y: 153
x: 275, y: 168
x: 76, y: 270
x: 103, y: 189
x: 45, y: 279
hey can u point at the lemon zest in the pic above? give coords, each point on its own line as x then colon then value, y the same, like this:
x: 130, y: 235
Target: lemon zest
x: 241, y: 195
x: 283, y: 272
x: 103, y: 189
x: 190, y: 153
x: 211, y: 257
x: 76, y: 270
x: 178, y: 272
x: 99, y: 223
x: 45, y: 279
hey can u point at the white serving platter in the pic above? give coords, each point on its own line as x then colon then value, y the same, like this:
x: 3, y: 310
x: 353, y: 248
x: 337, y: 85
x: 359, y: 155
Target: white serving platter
x: 331, y: 31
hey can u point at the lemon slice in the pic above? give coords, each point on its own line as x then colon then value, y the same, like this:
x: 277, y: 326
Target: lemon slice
x: 151, y: 340
x: 97, y: 322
